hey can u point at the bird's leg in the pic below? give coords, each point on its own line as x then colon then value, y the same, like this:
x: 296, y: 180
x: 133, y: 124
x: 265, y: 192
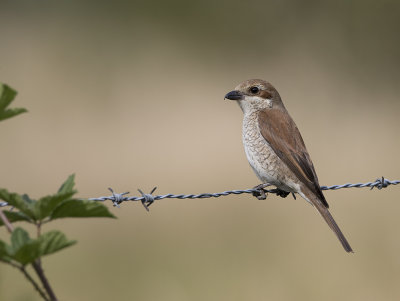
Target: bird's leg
x: 259, y: 191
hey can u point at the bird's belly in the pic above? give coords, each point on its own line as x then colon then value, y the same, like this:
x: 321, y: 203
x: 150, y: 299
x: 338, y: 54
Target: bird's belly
x: 268, y: 167
x: 263, y: 161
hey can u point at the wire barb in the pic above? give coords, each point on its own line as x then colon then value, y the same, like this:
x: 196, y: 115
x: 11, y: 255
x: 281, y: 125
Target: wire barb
x: 381, y: 183
x: 118, y: 197
x: 148, y: 198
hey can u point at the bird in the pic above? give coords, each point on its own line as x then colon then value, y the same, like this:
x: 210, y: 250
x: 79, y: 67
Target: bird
x: 275, y: 148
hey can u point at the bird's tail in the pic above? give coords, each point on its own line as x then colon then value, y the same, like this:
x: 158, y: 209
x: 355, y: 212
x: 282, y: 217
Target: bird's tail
x: 332, y: 224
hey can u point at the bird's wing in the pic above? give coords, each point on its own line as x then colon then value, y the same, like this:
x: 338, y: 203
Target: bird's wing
x: 282, y: 134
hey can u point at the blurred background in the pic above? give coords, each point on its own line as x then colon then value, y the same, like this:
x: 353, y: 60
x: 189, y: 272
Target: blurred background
x: 130, y: 95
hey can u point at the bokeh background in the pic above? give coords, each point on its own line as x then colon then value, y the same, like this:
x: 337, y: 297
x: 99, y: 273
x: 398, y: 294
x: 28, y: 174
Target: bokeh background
x: 130, y: 95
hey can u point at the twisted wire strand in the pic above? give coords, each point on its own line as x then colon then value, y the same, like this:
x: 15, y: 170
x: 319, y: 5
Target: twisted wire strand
x: 148, y: 198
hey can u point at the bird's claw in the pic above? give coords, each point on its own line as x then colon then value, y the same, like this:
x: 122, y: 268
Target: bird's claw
x: 260, y: 192
x: 282, y: 193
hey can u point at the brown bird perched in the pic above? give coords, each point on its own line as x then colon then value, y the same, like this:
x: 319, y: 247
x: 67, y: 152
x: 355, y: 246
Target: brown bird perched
x: 275, y: 148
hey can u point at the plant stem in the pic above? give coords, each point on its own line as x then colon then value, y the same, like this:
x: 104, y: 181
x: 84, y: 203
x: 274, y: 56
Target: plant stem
x: 35, y: 285
x: 38, y: 228
x: 6, y: 222
x: 39, y: 271
x: 28, y: 277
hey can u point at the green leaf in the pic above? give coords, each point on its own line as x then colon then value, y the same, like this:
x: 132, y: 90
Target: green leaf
x: 19, y: 237
x: 3, y: 248
x: 28, y: 253
x: 4, y: 195
x: 4, y: 255
x: 81, y: 208
x: 27, y: 199
x: 46, y: 205
x: 46, y: 244
x: 7, y: 95
x: 11, y: 113
x: 14, y: 216
x: 23, y: 203
x: 53, y: 241
x: 23, y: 249
x: 68, y: 185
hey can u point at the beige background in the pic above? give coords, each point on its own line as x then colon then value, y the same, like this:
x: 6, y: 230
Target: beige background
x: 130, y: 95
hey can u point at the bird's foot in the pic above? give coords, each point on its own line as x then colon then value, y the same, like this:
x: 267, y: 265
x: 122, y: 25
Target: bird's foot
x: 281, y: 193
x: 259, y: 191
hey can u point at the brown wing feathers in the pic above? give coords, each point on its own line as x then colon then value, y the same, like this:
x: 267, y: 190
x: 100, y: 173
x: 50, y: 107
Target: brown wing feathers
x: 280, y: 131
x: 284, y: 137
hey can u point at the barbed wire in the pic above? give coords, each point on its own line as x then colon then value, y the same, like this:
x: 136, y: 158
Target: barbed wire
x: 259, y: 191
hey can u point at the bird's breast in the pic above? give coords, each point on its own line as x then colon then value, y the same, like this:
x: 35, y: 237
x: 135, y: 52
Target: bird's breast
x: 266, y: 164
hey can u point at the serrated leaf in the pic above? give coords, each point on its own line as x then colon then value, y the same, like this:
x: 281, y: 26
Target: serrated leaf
x: 4, y: 195
x: 81, y: 208
x: 26, y: 250
x: 27, y: 199
x: 23, y: 203
x: 14, y: 216
x: 4, y: 255
x: 19, y: 237
x: 23, y: 249
x: 11, y: 113
x: 28, y: 253
x: 68, y: 185
x: 7, y: 95
x: 3, y: 248
x: 46, y: 205
x: 53, y: 241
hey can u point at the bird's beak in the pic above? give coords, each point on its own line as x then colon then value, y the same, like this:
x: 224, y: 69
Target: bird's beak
x: 234, y: 95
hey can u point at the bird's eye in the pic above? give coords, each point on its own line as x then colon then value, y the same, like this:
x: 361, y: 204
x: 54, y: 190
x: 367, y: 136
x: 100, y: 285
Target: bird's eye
x: 254, y: 90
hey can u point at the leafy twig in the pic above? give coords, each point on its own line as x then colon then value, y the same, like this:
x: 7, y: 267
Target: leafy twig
x: 21, y: 267
x: 23, y: 250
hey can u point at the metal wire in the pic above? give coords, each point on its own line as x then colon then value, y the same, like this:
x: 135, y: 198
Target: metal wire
x: 148, y: 198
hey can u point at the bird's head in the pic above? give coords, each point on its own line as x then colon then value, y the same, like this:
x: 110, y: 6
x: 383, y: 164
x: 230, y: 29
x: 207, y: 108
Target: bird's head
x: 254, y: 95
